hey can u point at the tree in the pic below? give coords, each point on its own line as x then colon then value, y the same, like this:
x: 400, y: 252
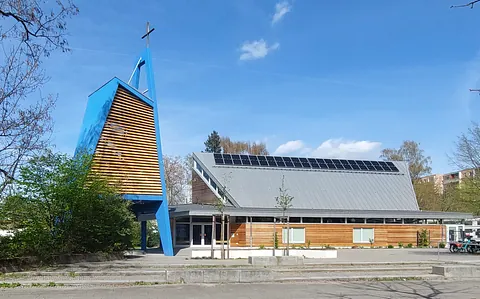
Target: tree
x: 220, y: 206
x: 410, y: 152
x: 213, y: 143
x: 61, y: 207
x: 243, y: 147
x: 31, y: 31
x: 217, y: 144
x: 467, y: 149
x: 177, y: 178
x: 284, y: 202
x: 428, y: 197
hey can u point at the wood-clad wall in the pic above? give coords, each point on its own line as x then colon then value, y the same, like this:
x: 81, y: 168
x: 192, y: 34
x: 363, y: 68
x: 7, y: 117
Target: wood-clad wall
x: 127, y: 150
x: 201, y: 193
x: 335, y: 234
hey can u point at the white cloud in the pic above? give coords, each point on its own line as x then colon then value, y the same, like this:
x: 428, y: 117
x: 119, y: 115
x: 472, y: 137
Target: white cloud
x: 281, y: 9
x: 333, y: 148
x: 256, y: 49
x: 289, y: 147
x: 347, y: 149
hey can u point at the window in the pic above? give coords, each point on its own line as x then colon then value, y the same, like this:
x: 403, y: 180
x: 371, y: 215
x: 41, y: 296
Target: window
x: 356, y: 220
x: 262, y: 219
x: 375, y: 220
x: 312, y: 220
x: 393, y: 220
x: 333, y: 220
x: 182, y: 234
x: 240, y: 219
x: 363, y: 235
x: 295, y: 220
x: 412, y: 221
x: 297, y: 235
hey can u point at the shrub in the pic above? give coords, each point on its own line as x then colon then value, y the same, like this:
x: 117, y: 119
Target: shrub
x: 261, y: 247
x: 400, y: 245
x: 371, y: 242
x: 390, y: 246
x: 409, y: 245
x: 423, y: 240
x: 308, y: 244
x: 441, y: 245
x: 276, y: 241
x: 62, y: 207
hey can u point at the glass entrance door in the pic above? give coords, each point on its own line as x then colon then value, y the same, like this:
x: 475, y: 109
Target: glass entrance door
x: 197, y: 234
x: 208, y: 234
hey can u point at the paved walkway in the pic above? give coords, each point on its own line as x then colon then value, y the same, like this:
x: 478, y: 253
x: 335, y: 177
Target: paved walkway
x: 405, y: 289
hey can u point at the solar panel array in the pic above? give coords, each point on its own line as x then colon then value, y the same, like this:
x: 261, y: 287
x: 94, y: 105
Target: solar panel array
x: 304, y: 163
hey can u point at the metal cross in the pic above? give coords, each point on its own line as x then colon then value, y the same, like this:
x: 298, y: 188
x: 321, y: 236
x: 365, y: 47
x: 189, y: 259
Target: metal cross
x: 147, y: 35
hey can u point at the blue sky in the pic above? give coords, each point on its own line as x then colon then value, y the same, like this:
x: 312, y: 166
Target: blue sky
x: 322, y: 78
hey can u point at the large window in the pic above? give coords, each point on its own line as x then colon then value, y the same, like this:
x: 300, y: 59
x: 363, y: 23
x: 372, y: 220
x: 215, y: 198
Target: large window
x: 363, y: 235
x: 297, y: 235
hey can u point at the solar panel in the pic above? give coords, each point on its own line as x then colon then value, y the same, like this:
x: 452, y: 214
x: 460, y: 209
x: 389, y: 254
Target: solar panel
x: 254, y: 161
x: 304, y: 163
x: 271, y: 163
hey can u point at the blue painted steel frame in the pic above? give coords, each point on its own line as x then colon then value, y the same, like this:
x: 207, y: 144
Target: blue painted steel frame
x: 98, y: 107
x: 162, y: 215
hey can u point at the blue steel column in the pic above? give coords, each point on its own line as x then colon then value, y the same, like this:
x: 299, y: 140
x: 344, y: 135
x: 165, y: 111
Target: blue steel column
x: 143, y: 235
x: 162, y: 215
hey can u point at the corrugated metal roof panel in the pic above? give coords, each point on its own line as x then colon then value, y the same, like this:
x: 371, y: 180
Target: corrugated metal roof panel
x: 257, y: 187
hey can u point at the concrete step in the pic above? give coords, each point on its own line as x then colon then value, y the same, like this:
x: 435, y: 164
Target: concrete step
x: 150, y: 280
x: 224, y: 264
x: 149, y: 272
x: 353, y: 269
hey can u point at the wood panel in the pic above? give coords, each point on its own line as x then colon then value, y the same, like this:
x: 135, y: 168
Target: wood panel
x: 127, y: 150
x: 237, y: 231
x: 201, y: 193
x: 340, y: 235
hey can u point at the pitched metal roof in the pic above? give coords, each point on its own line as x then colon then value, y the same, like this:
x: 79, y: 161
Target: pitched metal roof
x: 257, y: 187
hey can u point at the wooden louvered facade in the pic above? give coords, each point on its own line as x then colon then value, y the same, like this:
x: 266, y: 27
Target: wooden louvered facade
x: 126, y: 152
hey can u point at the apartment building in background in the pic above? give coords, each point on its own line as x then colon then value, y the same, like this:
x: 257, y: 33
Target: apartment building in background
x: 451, y: 179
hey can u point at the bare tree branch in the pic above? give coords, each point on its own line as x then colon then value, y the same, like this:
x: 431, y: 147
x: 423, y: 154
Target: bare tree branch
x: 35, y: 28
x: 471, y: 4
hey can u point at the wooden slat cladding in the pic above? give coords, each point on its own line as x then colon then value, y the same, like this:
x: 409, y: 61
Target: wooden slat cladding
x: 201, y: 193
x: 127, y: 150
x: 336, y: 234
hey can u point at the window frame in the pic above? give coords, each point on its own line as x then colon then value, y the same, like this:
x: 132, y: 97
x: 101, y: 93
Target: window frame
x: 284, y: 235
x: 361, y: 241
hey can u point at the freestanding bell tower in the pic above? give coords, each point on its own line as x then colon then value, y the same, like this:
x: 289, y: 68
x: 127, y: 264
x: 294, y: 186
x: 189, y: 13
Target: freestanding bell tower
x: 121, y: 129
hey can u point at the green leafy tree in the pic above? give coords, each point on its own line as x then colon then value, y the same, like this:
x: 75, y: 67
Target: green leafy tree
x: 213, y: 143
x: 60, y: 207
